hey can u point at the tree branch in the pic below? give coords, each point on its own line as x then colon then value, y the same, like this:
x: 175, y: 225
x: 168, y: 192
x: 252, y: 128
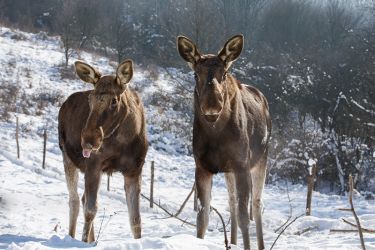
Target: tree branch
x: 169, y: 213
x: 225, y: 230
x: 354, y: 213
x: 366, y: 230
x: 282, y: 231
x: 186, y: 200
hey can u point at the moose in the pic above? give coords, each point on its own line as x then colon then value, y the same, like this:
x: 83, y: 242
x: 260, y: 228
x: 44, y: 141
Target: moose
x: 231, y: 131
x: 102, y: 131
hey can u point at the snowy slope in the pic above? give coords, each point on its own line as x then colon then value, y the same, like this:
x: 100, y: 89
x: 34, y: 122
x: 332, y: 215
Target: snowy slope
x: 34, y: 202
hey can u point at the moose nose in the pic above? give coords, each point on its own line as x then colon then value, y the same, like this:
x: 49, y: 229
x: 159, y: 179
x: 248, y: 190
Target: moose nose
x: 211, y: 113
x: 88, y: 146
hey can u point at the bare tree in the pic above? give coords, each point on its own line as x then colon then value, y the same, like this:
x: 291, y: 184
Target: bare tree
x: 67, y: 26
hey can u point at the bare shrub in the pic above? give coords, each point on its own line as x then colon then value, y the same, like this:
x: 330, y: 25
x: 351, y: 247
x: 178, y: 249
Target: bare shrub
x: 67, y: 73
x: 8, y: 96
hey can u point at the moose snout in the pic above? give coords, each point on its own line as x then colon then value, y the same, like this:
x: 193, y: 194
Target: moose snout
x: 91, y: 140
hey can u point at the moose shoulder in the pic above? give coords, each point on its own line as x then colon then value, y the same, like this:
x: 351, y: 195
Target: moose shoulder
x: 103, y: 130
x: 231, y: 131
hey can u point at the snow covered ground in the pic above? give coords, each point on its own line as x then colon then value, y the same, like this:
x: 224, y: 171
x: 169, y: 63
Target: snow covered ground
x: 34, y: 201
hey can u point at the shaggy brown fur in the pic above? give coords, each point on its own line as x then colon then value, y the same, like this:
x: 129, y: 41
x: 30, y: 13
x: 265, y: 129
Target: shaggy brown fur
x: 103, y: 130
x: 231, y: 131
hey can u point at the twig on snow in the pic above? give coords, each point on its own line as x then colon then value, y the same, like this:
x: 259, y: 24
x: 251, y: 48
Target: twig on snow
x: 225, y: 231
x: 305, y: 230
x: 169, y: 213
x: 351, y: 209
x: 282, y: 231
x: 366, y: 230
x: 290, y: 209
x: 186, y: 200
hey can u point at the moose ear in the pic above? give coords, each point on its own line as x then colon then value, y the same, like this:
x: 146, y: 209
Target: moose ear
x: 124, y: 72
x: 86, y: 72
x: 231, y: 50
x: 188, y: 51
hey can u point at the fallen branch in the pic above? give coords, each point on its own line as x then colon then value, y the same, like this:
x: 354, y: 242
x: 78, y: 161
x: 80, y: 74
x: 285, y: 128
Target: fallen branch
x: 225, y: 231
x: 282, y: 231
x: 100, y: 229
x: 290, y: 209
x: 351, y: 209
x: 106, y: 224
x: 351, y: 186
x: 305, y: 230
x: 343, y: 231
x: 169, y: 213
x: 366, y: 230
x: 186, y: 200
x: 345, y: 209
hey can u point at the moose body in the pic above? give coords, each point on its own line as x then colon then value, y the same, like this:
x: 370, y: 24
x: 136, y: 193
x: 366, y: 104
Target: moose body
x: 103, y: 130
x: 232, y: 127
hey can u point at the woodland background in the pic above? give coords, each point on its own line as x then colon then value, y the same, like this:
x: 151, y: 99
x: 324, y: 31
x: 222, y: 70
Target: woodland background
x: 314, y: 61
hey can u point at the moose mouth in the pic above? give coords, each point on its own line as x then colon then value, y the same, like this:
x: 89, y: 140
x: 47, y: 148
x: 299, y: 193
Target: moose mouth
x: 86, y: 153
x: 211, y: 118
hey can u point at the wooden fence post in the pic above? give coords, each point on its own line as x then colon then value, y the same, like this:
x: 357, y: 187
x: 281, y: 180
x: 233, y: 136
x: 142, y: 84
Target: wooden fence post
x: 108, y: 182
x: 152, y: 185
x: 17, y: 132
x: 310, y: 187
x: 44, y: 148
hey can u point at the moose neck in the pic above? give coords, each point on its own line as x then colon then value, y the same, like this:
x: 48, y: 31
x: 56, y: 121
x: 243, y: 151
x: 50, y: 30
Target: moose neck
x: 121, y: 117
x: 129, y: 128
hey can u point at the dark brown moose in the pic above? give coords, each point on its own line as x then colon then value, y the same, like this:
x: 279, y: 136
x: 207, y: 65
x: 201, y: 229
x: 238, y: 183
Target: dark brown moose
x: 232, y: 127
x: 103, y: 130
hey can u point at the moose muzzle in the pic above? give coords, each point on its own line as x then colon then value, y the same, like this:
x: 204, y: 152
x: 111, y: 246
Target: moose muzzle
x: 91, y: 140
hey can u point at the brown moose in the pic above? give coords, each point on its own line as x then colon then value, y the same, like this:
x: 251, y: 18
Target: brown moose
x: 103, y: 130
x: 232, y: 127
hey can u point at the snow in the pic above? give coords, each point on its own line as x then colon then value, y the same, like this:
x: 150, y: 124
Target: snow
x: 311, y: 162
x: 362, y: 108
x: 34, y: 201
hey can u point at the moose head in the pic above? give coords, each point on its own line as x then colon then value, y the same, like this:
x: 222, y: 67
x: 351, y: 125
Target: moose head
x: 107, y: 103
x: 210, y: 73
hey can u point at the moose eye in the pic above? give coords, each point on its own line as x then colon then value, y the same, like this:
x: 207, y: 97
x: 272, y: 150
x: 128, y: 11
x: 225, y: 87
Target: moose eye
x: 113, y: 103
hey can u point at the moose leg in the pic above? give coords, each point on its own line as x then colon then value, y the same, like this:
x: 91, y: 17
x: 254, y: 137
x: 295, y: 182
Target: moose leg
x: 203, y: 179
x: 132, y: 191
x: 90, y: 205
x: 258, y: 174
x: 230, y: 181
x: 251, y: 198
x: 243, y: 191
x: 71, y: 175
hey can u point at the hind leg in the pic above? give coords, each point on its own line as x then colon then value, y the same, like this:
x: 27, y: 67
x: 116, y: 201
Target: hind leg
x: 71, y: 175
x: 133, y: 191
x: 258, y: 174
x: 230, y: 181
x: 251, y: 198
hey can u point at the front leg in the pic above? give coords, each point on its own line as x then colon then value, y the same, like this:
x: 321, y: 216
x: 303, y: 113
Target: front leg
x: 203, y: 179
x: 90, y: 204
x: 132, y: 191
x: 243, y: 191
